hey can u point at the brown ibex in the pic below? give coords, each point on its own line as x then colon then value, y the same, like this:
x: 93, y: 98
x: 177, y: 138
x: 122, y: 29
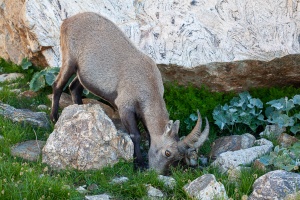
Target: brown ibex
x: 111, y: 67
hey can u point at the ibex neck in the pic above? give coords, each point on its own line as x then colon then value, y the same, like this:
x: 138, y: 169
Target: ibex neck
x: 156, y: 119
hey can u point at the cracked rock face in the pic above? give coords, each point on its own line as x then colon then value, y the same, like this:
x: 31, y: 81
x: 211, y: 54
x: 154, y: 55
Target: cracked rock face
x: 85, y: 138
x: 185, y: 33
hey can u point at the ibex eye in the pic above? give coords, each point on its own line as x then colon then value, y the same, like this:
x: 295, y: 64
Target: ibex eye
x: 167, y: 153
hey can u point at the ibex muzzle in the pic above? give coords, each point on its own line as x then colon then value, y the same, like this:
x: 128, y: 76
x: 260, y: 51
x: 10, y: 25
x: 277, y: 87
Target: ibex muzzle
x: 110, y: 66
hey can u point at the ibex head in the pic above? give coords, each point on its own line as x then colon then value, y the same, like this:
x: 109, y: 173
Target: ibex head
x: 164, y: 153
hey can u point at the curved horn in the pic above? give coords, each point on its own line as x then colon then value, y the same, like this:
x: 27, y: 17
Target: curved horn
x: 195, y: 139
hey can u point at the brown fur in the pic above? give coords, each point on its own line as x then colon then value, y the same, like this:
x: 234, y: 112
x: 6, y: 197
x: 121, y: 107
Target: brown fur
x: 110, y: 66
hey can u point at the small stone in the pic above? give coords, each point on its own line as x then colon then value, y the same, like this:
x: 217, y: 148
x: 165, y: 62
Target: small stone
x: 205, y: 187
x: 82, y: 190
x: 93, y: 187
x: 168, y: 181
x: 98, y: 197
x: 28, y: 94
x: 29, y: 150
x: 153, y: 192
x: 10, y: 77
x: 286, y: 140
x: 272, y: 131
x: 16, y: 91
x: 259, y: 165
x: 42, y: 107
x: 119, y: 180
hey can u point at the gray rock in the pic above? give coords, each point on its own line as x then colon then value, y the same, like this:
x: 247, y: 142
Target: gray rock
x: 275, y: 185
x: 42, y: 107
x: 10, y: 77
x: 98, y: 197
x: 154, y: 193
x: 85, y: 138
x: 93, y: 187
x: 286, y: 140
x: 29, y: 150
x: 119, y: 180
x: 231, y: 143
x: 24, y: 116
x: 205, y: 187
x: 168, y: 181
x: 82, y: 190
x: 272, y: 131
x: 232, y: 159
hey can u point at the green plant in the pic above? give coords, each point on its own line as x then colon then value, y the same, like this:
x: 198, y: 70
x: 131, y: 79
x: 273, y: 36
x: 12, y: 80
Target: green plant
x: 242, y: 110
x: 183, y: 101
x: 283, y: 158
x: 43, y: 77
x: 285, y: 113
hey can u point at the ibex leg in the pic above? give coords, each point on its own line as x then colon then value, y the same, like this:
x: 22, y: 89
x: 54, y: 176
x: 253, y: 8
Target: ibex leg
x: 129, y: 121
x: 66, y: 71
x: 76, y: 90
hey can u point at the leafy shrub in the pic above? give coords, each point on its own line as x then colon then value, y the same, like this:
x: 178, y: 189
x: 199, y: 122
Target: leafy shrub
x: 242, y: 110
x: 283, y: 113
x: 41, y: 78
x: 283, y: 158
x: 269, y: 94
x: 183, y: 101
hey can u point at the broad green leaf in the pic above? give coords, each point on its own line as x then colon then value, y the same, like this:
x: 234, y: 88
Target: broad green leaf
x: 289, y: 104
x: 256, y: 102
x: 265, y: 160
x: 278, y: 106
x: 295, y: 129
x: 53, y: 70
x: 25, y: 64
x: 193, y: 117
x: 50, y: 78
x: 296, y: 99
x: 37, y: 82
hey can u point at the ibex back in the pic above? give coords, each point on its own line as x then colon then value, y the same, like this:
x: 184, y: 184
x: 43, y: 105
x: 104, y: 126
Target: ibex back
x: 110, y: 66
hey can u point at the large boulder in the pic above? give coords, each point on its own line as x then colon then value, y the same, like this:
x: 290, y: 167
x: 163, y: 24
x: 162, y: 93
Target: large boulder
x: 230, y: 45
x: 231, y: 160
x: 275, y: 185
x: 85, y: 138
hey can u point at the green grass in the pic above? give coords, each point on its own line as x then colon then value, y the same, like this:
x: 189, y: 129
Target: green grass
x: 20, y: 179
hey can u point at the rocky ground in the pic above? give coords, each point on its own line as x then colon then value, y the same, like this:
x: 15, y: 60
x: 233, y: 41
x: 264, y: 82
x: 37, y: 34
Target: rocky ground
x: 70, y: 146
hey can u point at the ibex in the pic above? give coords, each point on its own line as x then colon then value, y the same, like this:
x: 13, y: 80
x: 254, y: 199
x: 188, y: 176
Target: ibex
x: 107, y: 64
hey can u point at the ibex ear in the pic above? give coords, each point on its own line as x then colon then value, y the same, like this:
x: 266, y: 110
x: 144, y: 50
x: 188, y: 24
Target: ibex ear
x: 168, y: 128
x: 172, y: 129
x: 175, y: 128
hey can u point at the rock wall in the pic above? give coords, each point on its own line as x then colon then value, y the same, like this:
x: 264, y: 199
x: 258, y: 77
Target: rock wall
x: 186, y: 33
